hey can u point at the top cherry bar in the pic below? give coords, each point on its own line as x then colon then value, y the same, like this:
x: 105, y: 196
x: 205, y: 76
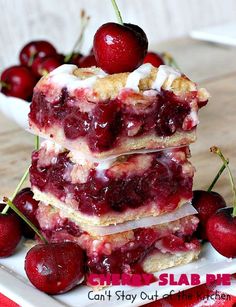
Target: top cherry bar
x: 101, y: 115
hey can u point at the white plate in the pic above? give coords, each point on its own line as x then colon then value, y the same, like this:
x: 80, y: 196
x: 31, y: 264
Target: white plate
x: 14, y: 283
x: 15, y: 109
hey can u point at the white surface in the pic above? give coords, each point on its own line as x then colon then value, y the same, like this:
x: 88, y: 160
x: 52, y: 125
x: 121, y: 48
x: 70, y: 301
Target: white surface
x: 14, y: 284
x: 222, y: 34
x: 15, y: 109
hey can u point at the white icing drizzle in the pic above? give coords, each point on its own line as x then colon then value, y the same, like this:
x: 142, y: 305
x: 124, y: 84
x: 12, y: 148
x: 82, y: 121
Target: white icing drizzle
x: 165, y: 73
x: 140, y: 73
x: 64, y: 75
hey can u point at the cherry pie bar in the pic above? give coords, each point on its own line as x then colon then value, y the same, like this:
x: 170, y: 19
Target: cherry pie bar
x: 146, y: 248
x: 109, y: 192
x: 86, y: 110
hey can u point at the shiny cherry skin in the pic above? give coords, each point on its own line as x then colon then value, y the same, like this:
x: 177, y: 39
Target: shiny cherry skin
x: 19, y: 82
x: 153, y: 58
x: 36, y: 49
x: 221, y: 232
x: 10, y: 234
x: 56, y: 267
x: 206, y: 203
x: 25, y: 202
x: 87, y: 61
x: 119, y: 48
x: 42, y: 66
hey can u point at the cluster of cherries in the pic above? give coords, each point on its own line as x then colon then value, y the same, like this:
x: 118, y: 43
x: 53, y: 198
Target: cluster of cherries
x: 37, y: 58
x: 117, y: 48
x: 217, y: 220
x: 58, y: 267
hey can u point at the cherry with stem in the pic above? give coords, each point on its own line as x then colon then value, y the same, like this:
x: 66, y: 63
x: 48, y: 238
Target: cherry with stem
x: 221, y: 226
x: 125, y: 49
x: 207, y: 202
x: 217, y: 151
x: 24, y: 218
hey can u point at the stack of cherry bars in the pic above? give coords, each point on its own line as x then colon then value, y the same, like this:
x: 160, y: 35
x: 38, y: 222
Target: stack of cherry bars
x: 113, y: 174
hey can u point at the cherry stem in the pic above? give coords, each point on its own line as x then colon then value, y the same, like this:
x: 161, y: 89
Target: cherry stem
x: 117, y: 11
x: 217, y: 177
x: 4, y: 84
x: 78, y: 44
x: 4, y: 211
x: 24, y: 218
x: 217, y: 150
x: 170, y: 60
x: 36, y: 142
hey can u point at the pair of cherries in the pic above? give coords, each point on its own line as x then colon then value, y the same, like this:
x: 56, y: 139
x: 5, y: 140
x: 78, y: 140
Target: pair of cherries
x: 52, y: 268
x: 217, y: 220
x: 35, y: 58
x: 12, y: 227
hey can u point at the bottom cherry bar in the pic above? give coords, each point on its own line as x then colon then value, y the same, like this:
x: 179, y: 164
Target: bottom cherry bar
x: 138, y: 250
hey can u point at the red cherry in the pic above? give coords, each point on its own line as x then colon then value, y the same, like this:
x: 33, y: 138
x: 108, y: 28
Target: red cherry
x: 119, y: 48
x: 33, y: 49
x: 206, y: 203
x: 87, y: 61
x: 55, y: 268
x: 44, y: 65
x: 9, y: 211
x: 221, y: 232
x: 153, y: 58
x: 2, y: 206
x: 25, y: 202
x: 10, y: 234
x: 18, y: 81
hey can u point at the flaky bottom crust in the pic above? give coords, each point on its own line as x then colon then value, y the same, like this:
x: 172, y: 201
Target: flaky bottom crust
x: 158, y: 261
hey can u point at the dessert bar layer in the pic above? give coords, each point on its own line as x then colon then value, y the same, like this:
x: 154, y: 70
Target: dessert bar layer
x: 103, y: 115
x: 121, y: 189
x: 151, y: 249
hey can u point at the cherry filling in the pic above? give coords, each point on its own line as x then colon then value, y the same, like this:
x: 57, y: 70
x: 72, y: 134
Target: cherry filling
x: 128, y: 256
x: 102, y: 127
x: 163, y: 183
